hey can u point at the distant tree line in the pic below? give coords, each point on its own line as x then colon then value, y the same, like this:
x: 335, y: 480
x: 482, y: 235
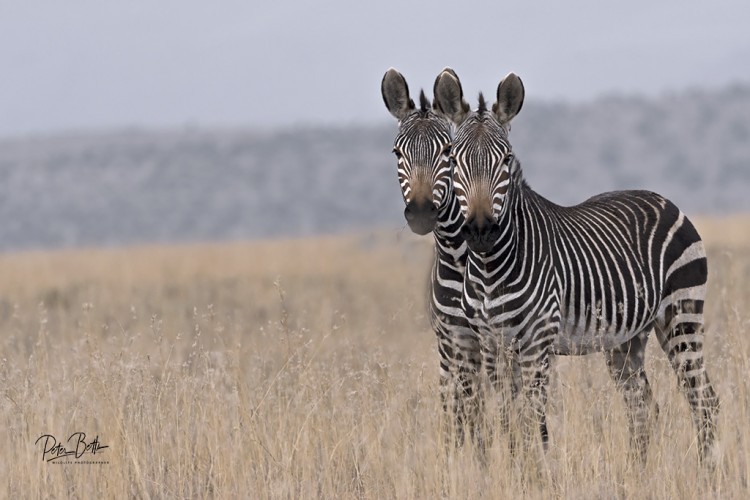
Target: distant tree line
x: 136, y: 186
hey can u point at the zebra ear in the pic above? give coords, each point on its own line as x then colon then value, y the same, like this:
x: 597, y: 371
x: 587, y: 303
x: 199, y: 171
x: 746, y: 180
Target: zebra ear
x: 510, y: 94
x: 449, y: 96
x: 396, y: 94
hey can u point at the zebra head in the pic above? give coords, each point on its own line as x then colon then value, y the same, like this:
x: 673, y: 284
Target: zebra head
x: 421, y: 147
x: 482, y: 155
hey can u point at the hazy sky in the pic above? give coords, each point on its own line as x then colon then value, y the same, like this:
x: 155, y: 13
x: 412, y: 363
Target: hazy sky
x: 89, y: 64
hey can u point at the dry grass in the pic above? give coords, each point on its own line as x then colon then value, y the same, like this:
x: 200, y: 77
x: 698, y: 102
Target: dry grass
x: 299, y: 369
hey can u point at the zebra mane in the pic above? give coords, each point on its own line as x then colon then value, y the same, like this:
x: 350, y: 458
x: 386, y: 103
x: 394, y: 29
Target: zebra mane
x: 482, y: 104
x: 424, y: 103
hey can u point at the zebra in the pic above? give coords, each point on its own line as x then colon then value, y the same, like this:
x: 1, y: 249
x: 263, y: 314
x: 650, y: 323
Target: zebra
x: 422, y: 147
x: 543, y: 279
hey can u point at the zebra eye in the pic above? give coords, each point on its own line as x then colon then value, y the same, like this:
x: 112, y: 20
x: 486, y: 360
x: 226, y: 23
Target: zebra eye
x: 446, y: 150
x: 397, y: 153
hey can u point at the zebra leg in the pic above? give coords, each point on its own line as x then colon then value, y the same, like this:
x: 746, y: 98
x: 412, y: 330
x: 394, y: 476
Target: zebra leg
x: 680, y: 333
x: 506, y: 380
x: 625, y: 366
x: 463, y: 405
x: 459, y: 392
x: 504, y: 375
x: 535, y: 379
x: 461, y: 400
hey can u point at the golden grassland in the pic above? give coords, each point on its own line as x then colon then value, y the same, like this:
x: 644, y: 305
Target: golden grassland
x: 307, y: 369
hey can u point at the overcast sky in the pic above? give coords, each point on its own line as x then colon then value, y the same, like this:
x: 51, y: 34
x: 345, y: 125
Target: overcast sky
x: 86, y: 64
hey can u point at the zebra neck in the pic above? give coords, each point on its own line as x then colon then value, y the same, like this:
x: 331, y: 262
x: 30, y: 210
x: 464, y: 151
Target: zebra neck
x: 502, y: 262
x: 448, y: 240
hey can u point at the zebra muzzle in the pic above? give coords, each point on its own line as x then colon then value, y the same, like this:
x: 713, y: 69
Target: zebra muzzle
x: 480, y: 235
x: 421, y: 217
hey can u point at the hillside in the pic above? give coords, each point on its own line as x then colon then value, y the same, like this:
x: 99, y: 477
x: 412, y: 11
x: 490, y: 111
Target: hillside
x: 138, y: 186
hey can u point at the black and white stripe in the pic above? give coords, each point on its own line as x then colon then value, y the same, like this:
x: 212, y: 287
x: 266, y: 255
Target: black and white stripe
x: 542, y: 279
